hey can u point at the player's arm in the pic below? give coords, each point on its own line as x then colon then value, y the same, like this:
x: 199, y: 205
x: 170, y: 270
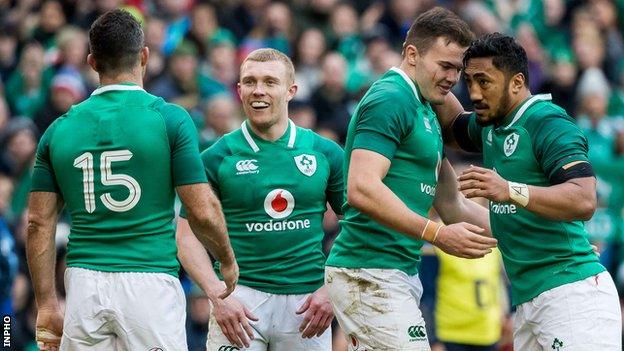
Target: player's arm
x: 453, y: 206
x: 367, y: 192
x: 205, y: 217
x: 43, y: 212
x: 230, y: 314
x: 459, y: 127
x: 560, y: 148
x: 573, y: 199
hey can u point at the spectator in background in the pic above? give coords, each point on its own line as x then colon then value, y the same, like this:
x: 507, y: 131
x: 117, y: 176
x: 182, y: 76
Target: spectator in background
x: 331, y: 101
x: 183, y: 84
x: 397, y: 18
x: 72, y: 44
x: 616, y: 102
x: 310, y: 48
x: 245, y: 16
x: 273, y: 30
x: 18, y: 142
x: 28, y: 86
x: 343, y: 35
x: 178, y: 23
x: 605, y: 17
x: 8, y: 61
x: 221, y: 116
x: 205, y: 30
x: 8, y: 256
x: 222, y: 65
x: 51, y: 20
x: 154, y: 38
x: 67, y: 89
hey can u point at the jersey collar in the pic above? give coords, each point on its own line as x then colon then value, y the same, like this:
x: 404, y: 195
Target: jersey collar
x: 408, y: 80
x: 115, y: 87
x: 525, y: 106
x: 254, y: 146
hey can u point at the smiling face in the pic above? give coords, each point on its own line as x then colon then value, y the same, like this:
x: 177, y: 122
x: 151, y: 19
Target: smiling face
x: 438, y: 69
x: 489, y: 90
x: 265, y: 88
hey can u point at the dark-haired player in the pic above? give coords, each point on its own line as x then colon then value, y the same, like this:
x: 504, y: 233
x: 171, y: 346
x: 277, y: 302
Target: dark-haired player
x: 541, y: 187
x: 115, y: 160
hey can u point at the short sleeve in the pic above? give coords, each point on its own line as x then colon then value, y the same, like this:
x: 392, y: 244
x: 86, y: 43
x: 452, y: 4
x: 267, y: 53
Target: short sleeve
x: 186, y: 165
x: 380, y: 126
x: 558, y: 141
x: 475, y: 132
x: 335, y: 184
x: 211, y: 159
x: 43, y: 178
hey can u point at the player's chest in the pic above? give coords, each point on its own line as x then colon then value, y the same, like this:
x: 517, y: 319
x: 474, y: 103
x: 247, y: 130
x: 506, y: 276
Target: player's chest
x: 248, y: 178
x: 510, y: 153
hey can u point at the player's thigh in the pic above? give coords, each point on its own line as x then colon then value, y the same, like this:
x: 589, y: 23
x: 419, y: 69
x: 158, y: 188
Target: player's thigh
x: 285, y: 334
x: 583, y: 315
x: 256, y: 303
x: 151, y: 311
x: 377, y: 308
x: 86, y: 323
x: 523, y: 336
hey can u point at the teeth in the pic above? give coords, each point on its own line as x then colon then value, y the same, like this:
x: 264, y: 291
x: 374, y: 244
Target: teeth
x: 259, y: 104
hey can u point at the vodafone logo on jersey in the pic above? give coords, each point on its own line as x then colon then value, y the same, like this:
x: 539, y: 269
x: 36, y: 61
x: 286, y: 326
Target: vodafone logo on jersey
x: 279, y: 203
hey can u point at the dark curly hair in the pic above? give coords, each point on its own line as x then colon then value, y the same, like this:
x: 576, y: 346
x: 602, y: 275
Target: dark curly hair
x: 507, y: 55
x: 115, y: 40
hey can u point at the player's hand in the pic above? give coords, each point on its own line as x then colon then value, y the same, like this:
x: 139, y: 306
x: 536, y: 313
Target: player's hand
x: 233, y: 318
x: 49, y: 328
x: 482, y: 182
x: 230, y: 277
x: 464, y: 240
x: 318, y: 313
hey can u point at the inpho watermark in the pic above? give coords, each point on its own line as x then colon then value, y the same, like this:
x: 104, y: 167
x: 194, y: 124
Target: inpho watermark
x: 6, y: 331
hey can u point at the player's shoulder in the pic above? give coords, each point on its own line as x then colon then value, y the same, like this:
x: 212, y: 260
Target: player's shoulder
x: 168, y: 110
x: 221, y: 148
x: 320, y: 143
x: 549, y: 115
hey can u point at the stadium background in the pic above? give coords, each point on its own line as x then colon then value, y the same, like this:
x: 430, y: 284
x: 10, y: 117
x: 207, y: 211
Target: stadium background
x: 575, y: 50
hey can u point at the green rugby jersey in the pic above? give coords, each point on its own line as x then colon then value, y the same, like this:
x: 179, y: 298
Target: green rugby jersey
x: 115, y: 160
x: 274, y: 195
x: 529, y: 145
x: 391, y: 120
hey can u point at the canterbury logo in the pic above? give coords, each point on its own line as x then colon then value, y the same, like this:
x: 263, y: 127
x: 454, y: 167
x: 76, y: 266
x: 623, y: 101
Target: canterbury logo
x: 416, y: 331
x: 247, y: 167
x: 228, y: 348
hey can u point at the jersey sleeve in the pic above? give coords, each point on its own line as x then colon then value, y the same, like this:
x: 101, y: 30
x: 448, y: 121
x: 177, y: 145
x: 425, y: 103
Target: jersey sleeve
x: 186, y: 165
x: 43, y: 178
x: 211, y: 159
x: 558, y: 141
x: 475, y: 132
x: 380, y: 125
x: 335, y: 184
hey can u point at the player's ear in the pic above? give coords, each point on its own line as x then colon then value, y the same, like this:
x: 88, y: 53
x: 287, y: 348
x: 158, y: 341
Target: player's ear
x: 410, y: 53
x: 144, y: 56
x: 517, y: 83
x: 91, y: 62
x: 291, y: 92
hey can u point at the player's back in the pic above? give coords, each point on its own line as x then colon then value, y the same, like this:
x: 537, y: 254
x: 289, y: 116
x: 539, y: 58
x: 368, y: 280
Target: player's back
x: 111, y: 158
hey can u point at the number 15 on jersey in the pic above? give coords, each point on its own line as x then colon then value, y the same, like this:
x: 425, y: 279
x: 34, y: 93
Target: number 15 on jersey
x: 85, y: 162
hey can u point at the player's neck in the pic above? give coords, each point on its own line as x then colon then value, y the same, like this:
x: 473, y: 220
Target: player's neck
x: 518, y: 100
x: 135, y: 77
x: 273, y: 132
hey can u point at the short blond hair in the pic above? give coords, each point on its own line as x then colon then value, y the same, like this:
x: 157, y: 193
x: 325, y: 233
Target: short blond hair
x: 267, y: 55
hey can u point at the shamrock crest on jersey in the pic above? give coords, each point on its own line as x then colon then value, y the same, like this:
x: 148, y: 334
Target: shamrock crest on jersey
x: 510, y: 144
x: 306, y: 164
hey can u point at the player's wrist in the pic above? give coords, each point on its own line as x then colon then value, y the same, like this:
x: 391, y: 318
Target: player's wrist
x: 518, y: 193
x: 431, y: 231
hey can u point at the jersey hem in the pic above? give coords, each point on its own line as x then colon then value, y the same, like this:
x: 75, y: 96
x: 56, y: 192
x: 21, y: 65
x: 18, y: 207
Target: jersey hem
x: 590, y: 271
x: 124, y: 269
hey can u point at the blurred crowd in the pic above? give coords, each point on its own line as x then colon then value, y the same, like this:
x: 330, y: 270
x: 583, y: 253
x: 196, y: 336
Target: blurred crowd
x: 575, y: 50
